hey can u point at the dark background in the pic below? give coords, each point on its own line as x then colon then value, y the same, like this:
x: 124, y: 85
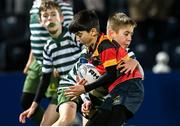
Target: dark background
x: 158, y: 29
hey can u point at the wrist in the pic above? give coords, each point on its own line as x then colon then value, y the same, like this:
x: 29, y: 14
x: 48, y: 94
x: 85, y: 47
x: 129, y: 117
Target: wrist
x: 34, y: 105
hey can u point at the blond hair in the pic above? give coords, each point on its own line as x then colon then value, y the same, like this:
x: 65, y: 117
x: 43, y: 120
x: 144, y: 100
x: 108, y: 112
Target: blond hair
x: 118, y: 20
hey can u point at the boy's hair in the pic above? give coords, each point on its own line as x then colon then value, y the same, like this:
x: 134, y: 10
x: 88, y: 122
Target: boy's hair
x: 49, y: 5
x: 118, y: 20
x: 84, y: 20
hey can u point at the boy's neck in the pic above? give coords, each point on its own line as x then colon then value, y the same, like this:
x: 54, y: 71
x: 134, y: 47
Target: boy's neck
x: 123, y: 46
x: 56, y: 35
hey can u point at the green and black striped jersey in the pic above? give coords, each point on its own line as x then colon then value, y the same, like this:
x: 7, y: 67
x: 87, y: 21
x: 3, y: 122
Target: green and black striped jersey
x: 61, y: 53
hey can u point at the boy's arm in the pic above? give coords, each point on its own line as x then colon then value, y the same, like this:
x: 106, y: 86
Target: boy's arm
x: 128, y: 65
x: 107, y: 78
x: 39, y: 94
x: 73, y: 77
x: 141, y: 70
x: 42, y: 87
x: 30, y: 60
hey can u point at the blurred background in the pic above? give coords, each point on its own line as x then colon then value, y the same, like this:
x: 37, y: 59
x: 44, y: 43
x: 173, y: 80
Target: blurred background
x: 156, y: 43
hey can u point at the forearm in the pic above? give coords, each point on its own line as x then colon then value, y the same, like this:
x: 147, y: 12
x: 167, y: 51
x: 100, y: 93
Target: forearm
x: 105, y: 80
x: 42, y: 87
x: 30, y: 59
x: 141, y: 70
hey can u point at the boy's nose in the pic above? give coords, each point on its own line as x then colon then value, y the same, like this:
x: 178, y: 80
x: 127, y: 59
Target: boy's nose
x: 49, y: 17
x: 77, y: 38
x: 129, y: 38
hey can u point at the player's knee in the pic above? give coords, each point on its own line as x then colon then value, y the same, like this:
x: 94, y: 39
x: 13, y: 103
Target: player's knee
x: 26, y: 100
x: 67, y: 114
x: 66, y: 121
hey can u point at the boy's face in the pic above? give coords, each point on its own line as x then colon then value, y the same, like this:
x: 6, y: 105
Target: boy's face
x: 51, y: 20
x: 123, y: 36
x: 86, y: 38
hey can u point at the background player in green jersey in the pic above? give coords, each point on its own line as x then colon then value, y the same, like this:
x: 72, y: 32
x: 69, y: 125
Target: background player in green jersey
x: 60, y: 52
x: 39, y: 37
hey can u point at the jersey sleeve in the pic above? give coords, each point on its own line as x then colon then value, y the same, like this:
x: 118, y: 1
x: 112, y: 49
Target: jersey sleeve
x: 131, y: 54
x: 67, y: 11
x: 47, y: 59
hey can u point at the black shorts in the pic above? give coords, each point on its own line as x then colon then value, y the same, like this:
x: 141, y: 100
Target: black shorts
x: 118, y: 116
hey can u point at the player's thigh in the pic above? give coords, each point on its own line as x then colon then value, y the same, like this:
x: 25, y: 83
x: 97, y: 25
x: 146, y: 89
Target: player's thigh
x: 33, y: 78
x: 50, y: 111
x: 68, y: 110
x: 52, y: 89
x: 84, y: 121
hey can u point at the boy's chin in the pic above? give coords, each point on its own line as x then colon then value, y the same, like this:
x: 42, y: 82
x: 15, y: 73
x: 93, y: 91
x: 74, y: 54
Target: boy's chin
x: 53, y: 31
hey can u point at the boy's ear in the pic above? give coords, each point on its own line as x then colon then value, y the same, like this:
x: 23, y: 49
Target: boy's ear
x: 109, y: 32
x: 62, y: 18
x: 93, y: 31
x: 40, y: 21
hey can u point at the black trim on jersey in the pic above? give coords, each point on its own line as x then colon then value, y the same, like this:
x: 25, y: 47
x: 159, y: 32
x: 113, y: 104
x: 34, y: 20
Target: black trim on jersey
x: 106, y: 44
x: 68, y: 63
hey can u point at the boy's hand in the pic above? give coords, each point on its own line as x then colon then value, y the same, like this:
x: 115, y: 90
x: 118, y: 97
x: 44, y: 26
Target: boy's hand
x: 76, y: 90
x: 127, y: 66
x: 86, y: 107
x: 27, y: 113
x: 55, y: 73
x: 26, y: 69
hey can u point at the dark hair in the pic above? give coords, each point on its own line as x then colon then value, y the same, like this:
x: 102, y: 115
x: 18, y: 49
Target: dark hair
x: 84, y: 20
x: 48, y: 5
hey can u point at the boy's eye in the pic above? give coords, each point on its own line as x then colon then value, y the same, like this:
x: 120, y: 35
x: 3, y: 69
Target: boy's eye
x: 45, y: 15
x: 53, y: 14
x: 126, y: 34
x: 78, y: 34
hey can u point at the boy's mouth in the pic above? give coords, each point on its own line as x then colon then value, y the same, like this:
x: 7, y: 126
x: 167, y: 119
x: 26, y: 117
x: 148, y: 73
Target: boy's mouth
x: 51, y: 25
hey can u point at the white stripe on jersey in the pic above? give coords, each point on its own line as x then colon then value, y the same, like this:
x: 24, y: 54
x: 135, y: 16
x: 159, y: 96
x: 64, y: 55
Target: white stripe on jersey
x: 130, y: 54
x: 34, y: 38
x: 37, y: 45
x: 66, y: 7
x: 68, y: 17
x: 67, y: 13
x: 65, y: 60
x: 37, y: 52
x: 35, y: 25
x: 39, y: 32
x: 34, y: 11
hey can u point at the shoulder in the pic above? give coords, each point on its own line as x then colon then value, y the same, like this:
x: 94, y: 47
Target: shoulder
x: 50, y: 45
x: 67, y: 35
x: 107, y: 44
x: 64, y: 4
